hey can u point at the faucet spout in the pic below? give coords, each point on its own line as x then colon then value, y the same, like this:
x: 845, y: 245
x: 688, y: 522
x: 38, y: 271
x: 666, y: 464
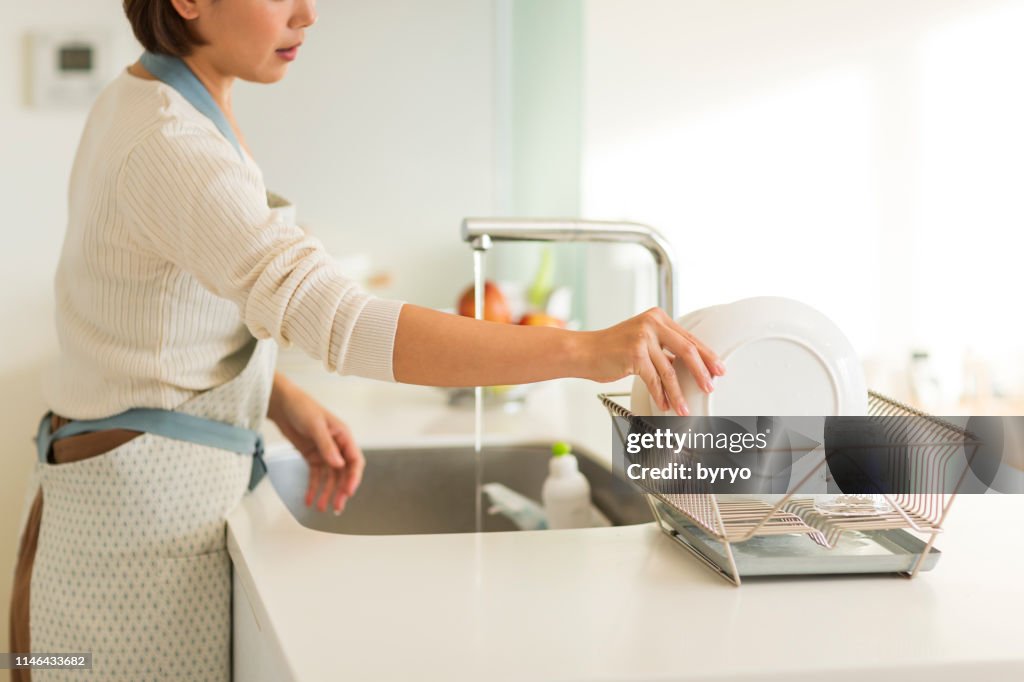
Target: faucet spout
x: 482, y: 232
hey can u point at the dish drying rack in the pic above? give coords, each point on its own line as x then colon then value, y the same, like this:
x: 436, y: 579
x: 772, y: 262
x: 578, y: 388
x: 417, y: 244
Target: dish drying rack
x: 932, y: 442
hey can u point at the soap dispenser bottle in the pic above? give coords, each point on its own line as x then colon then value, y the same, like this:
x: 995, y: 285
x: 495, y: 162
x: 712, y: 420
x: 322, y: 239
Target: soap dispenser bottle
x: 566, y: 492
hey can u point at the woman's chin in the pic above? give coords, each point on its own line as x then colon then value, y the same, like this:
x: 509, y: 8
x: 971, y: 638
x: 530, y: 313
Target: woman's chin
x: 271, y: 74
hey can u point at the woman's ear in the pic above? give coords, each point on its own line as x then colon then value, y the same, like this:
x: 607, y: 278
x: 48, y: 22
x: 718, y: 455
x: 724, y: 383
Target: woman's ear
x: 188, y: 9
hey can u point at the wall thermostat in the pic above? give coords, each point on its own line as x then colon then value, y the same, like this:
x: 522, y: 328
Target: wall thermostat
x: 68, y: 68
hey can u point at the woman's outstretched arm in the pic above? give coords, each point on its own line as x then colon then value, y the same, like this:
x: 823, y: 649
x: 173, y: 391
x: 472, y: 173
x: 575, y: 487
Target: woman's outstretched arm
x: 442, y: 349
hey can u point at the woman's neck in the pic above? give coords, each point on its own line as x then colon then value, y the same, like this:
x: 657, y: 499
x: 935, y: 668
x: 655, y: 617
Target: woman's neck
x: 216, y: 83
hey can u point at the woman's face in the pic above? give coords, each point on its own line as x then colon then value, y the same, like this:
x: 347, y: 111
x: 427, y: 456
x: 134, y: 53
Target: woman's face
x: 254, y: 40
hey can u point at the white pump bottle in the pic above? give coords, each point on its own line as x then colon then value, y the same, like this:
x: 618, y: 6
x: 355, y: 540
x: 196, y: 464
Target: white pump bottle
x: 566, y: 492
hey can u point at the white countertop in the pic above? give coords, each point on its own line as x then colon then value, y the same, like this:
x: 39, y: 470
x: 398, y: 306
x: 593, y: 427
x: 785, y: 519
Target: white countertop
x: 605, y: 604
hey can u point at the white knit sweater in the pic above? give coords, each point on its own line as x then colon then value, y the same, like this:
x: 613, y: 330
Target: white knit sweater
x: 172, y: 261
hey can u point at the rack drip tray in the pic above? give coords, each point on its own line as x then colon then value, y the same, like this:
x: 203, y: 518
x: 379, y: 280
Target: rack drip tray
x: 869, y: 551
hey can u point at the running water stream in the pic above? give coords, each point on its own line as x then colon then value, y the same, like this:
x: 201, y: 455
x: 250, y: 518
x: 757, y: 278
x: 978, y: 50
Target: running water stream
x: 478, y: 392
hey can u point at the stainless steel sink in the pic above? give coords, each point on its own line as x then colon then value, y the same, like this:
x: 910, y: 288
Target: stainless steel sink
x: 432, y: 490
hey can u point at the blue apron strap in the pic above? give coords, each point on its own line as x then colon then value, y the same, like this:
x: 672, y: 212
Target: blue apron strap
x: 175, y: 73
x: 166, y: 423
x: 44, y: 438
x: 259, y: 466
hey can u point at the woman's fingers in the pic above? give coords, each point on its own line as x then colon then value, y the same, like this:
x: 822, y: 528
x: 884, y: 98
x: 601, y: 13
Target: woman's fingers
x: 340, y: 498
x: 698, y: 369
x: 330, y: 481
x: 687, y: 353
x: 349, y: 477
x: 316, y: 475
x: 327, y: 447
x: 709, y: 357
x: 356, y: 463
x: 649, y: 375
x: 335, y: 465
x: 669, y: 381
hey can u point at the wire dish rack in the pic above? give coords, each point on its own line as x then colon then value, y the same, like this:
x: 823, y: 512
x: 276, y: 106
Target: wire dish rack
x: 738, y: 535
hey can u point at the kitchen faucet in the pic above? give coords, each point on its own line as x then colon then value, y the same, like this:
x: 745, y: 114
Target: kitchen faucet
x: 481, y: 232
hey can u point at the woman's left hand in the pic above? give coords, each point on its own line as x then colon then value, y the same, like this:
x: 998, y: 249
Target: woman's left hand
x: 335, y: 461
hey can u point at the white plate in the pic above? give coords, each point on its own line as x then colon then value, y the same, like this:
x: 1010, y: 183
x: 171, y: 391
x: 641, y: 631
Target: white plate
x: 783, y: 358
x: 640, y: 401
x: 694, y: 317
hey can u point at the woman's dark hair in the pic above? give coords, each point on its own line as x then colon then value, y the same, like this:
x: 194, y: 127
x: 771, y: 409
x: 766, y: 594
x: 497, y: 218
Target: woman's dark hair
x: 159, y: 27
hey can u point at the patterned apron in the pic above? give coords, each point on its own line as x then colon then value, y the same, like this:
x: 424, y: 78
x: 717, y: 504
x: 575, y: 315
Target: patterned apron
x: 131, y: 563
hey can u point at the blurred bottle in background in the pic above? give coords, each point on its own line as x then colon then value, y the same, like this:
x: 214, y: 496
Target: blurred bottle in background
x: 925, y: 387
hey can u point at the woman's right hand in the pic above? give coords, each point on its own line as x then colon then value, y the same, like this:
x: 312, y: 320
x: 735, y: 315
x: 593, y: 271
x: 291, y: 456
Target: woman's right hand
x: 645, y: 346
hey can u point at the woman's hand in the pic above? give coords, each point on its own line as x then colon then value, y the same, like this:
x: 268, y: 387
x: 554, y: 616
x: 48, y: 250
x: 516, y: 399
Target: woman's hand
x: 646, y: 346
x: 335, y: 461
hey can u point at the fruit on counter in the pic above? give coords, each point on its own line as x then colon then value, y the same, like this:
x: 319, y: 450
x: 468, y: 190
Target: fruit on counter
x: 495, y: 305
x: 541, y: 320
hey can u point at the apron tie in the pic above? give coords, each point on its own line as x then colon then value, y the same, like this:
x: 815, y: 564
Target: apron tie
x: 166, y: 423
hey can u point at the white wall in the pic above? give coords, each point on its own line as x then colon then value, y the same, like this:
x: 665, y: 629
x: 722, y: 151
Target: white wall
x: 862, y: 156
x: 539, y: 78
x: 382, y: 135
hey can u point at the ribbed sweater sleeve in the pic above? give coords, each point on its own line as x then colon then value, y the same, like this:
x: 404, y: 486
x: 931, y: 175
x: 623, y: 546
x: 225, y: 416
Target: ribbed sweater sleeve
x: 187, y: 195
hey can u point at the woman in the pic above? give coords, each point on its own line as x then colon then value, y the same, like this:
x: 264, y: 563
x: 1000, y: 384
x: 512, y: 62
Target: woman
x: 175, y: 285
